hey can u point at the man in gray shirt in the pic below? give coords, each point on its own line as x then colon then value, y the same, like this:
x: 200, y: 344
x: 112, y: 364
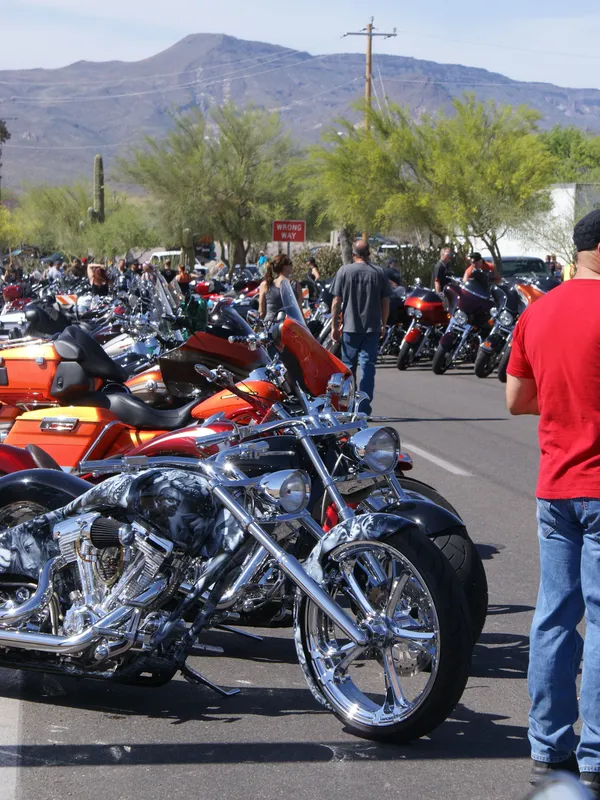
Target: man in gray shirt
x: 361, y: 292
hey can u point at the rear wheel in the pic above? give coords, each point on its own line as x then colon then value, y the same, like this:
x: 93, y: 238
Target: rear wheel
x: 442, y: 359
x: 406, y: 356
x: 485, y: 363
x: 412, y: 674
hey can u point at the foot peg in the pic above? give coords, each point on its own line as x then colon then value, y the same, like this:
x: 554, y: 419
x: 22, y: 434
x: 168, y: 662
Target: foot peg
x: 196, y: 677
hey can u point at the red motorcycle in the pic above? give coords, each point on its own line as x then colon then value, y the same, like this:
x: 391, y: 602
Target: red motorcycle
x: 428, y: 320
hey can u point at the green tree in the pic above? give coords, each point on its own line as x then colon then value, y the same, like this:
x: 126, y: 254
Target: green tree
x: 10, y: 233
x: 473, y: 174
x: 228, y: 175
x: 55, y: 218
x: 577, y: 154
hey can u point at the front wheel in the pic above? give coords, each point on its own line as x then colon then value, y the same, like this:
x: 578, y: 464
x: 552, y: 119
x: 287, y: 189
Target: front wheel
x: 406, y: 356
x: 485, y: 363
x: 503, y: 365
x: 411, y: 675
x: 442, y: 359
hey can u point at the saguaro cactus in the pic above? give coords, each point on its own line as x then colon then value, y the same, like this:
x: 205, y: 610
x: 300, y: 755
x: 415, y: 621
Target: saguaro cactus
x: 96, y: 213
x: 188, y: 255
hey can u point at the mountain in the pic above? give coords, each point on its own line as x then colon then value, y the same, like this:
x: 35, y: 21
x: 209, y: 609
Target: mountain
x: 64, y: 116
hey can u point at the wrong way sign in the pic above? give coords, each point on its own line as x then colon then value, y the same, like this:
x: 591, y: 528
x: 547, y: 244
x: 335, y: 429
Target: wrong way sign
x: 289, y: 230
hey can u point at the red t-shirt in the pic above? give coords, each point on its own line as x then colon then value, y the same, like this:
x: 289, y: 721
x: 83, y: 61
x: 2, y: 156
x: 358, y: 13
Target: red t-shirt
x: 557, y: 343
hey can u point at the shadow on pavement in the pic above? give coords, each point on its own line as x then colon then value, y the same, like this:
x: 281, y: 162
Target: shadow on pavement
x: 501, y: 655
x: 488, y: 551
x: 467, y: 735
x: 447, y: 419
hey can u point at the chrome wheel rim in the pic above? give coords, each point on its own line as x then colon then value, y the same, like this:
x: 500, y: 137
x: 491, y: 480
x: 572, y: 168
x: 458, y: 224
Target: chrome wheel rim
x: 385, y: 682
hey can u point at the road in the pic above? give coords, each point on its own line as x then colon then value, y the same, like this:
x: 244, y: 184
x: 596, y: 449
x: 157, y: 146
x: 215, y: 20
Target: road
x: 65, y: 739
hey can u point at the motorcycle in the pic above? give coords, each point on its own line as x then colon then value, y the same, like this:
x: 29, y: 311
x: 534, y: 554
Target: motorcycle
x: 469, y: 305
x: 121, y: 584
x: 427, y: 314
x: 247, y: 404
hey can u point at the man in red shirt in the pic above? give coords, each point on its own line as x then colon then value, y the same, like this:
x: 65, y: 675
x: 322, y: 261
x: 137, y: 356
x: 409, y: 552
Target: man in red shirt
x: 554, y: 372
x: 477, y: 262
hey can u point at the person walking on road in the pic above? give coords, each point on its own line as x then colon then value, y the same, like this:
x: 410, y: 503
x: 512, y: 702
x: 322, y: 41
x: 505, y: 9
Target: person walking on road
x: 361, y: 292
x: 554, y: 372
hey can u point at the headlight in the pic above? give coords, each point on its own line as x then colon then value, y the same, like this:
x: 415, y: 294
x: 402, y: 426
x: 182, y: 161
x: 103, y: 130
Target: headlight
x: 289, y: 489
x: 418, y: 313
x: 505, y: 318
x: 410, y: 311
x: 460, y: 317
x: 346, y: 395
x: 376, y: 448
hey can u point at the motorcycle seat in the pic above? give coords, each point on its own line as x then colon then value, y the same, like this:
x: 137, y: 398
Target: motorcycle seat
x: 135, y: 412
x: 74, y: 344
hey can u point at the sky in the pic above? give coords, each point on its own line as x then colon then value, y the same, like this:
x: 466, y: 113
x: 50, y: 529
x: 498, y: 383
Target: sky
x: 530, y: 40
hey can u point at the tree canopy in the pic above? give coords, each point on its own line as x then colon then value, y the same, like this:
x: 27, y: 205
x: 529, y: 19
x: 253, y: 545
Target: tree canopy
x: 475, y: 173
x: 228, y: 175
x: 576, y: 152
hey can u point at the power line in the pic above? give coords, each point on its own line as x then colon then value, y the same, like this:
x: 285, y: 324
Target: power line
x: 162, y: 138
x: 204, y: 84
x: 144, y: 77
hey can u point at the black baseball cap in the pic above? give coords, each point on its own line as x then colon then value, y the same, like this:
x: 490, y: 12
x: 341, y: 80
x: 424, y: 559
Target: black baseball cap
x: 586, y: 235
x: 475, y: 257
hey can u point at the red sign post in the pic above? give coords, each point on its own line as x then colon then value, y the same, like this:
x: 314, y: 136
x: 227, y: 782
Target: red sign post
x: 289, y: 230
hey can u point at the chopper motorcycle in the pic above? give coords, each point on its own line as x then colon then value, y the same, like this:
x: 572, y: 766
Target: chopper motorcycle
x: 122, y: 583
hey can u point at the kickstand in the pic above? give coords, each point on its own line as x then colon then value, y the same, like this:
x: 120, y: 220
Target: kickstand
x: 239, y: 632
x: 196, y: 677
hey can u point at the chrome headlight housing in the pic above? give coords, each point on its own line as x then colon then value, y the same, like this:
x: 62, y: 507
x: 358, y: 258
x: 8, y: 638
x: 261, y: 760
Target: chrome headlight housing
x: 460, y: 317
x: 505, y: 318
x: 289, y: 489
x: 418, y: 313
x: 343, y: 389
x: 376, y: 448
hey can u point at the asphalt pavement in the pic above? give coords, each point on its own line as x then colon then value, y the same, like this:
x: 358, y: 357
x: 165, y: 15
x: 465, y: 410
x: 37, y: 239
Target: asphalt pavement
x: 62, y: 738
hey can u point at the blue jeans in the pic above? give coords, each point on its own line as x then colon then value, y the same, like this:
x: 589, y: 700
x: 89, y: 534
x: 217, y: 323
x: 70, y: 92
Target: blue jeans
x: 569, y: 538
x: 360, y: 350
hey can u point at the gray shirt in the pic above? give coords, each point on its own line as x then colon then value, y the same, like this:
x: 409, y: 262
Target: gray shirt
x: 362, y: 287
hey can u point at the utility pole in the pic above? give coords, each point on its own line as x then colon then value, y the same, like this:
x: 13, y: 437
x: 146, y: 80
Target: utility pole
x: 369, y: 32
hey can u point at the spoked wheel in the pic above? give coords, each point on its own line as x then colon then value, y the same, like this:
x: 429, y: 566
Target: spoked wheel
x: 410, y: 676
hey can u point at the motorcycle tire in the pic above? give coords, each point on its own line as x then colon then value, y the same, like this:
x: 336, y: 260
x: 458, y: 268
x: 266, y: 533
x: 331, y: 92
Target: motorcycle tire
x: 440, y: 361
x: 503, y: 366
x: 484, y: 364
x: 406, y: 356
x: 461, y: 551
x: 444, y: 680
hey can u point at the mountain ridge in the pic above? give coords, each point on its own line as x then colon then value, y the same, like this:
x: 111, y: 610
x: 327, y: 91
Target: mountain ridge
x: 65, y: 115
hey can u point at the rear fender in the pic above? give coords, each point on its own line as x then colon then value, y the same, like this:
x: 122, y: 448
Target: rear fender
x: 14, y: 459
x: 47, y: 487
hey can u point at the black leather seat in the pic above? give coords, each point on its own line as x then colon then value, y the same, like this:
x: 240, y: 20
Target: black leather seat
x: 134, y: 412
x: 74, y: 344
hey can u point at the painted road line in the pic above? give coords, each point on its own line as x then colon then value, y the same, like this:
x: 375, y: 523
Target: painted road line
x: 10, y: 713
x: 440, y: 462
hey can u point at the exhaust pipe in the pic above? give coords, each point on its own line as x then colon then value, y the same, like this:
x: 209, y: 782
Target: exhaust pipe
x: 39, y: 599
x: 71, y: 645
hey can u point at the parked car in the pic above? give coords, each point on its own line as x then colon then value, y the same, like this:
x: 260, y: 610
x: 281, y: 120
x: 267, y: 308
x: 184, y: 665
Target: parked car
x: 519, y: 266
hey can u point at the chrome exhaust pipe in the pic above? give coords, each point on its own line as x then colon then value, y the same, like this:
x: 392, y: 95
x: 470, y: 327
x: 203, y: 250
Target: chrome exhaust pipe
x: 72, y: 645
x: 39, y: 599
